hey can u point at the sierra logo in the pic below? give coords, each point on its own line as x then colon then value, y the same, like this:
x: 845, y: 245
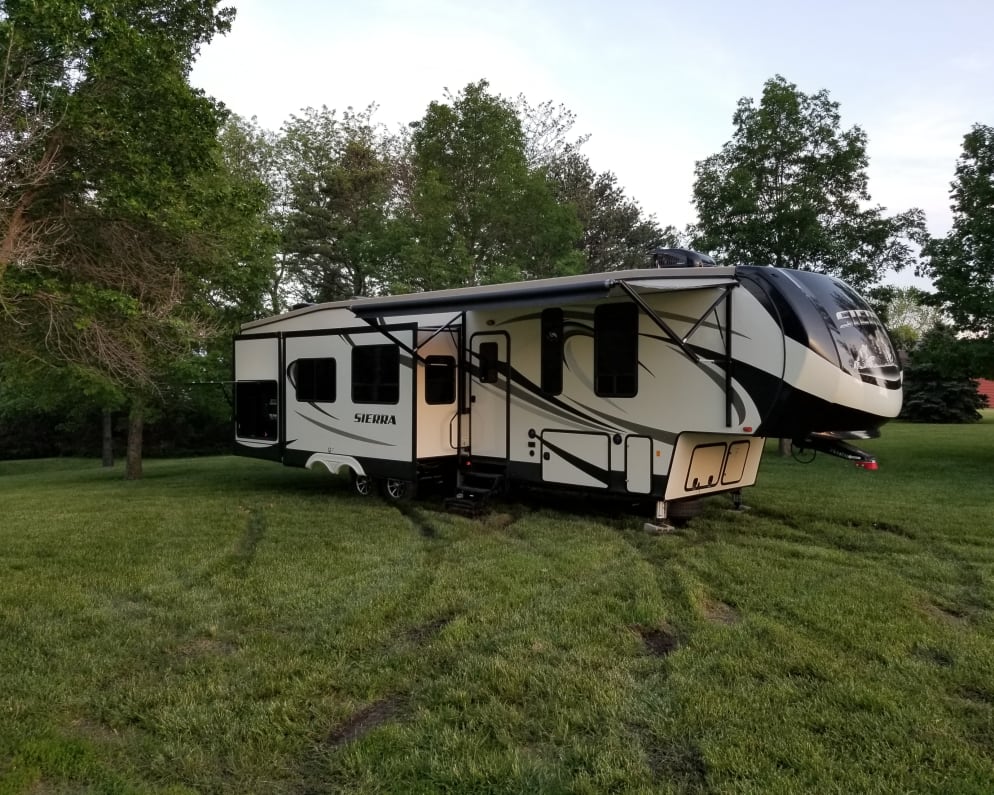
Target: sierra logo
x: 376, y: 419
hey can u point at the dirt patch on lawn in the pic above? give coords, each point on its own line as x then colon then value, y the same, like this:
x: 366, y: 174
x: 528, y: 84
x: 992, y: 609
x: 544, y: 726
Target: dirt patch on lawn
x: 977, y: 695
x: 364, y: 720
x: 682, y: 762
x: 659, y: 641
x: 719, y: 612
x: 933, y: 655
x: 206, y: 647
x: 947, y: 614
x: 423, y: 633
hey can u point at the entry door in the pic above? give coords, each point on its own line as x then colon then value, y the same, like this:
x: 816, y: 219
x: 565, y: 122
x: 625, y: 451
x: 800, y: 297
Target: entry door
x: 488, y: 394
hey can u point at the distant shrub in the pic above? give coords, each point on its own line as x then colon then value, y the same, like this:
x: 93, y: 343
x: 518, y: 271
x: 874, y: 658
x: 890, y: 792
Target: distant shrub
x: 938, y: 383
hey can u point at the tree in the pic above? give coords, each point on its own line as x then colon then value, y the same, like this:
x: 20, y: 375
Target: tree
x: 939, y: 383
x: 790, y: 190
x: 342, y: 176
x: 473, y: 211
x: 962, y: 263
x: 112, y: 258
x: 258, y: 203
x: 616, y: 234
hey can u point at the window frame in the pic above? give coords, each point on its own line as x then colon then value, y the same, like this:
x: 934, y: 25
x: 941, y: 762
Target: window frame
x: 379, y: 390
x: 616, y: 346
x: 265, y: 424
x: 298, y: 380
x: 432, y: 364
x: 489, y: 360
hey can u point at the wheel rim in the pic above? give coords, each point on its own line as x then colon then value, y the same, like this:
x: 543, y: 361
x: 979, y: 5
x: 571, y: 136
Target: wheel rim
x: 362, y: 484
x: 396, y: 489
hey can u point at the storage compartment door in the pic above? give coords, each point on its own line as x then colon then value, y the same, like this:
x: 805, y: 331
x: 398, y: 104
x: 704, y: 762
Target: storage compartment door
x: 576, y: 459
x: 638, y: 464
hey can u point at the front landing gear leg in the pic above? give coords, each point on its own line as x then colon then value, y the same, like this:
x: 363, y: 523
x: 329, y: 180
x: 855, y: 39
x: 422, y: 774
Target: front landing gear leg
x: 737, y: 504
x: 659, y: 525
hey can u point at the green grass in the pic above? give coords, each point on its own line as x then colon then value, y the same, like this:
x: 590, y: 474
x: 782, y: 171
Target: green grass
x: 231, y: 626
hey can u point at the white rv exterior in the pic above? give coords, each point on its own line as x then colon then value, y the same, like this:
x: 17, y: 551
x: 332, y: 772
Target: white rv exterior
x: 657, y: 383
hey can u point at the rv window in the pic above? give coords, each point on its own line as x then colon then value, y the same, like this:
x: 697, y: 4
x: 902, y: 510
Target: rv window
x: 376, y: 374
x: 440, y: 380
x: 314, y: 380
x: 616, y: 360
x: 552, y: 351
x: 256, y: 410
x: 488, y: 362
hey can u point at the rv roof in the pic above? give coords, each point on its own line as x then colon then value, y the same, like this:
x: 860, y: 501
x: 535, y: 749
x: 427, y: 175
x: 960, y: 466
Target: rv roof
x: 538, y: 291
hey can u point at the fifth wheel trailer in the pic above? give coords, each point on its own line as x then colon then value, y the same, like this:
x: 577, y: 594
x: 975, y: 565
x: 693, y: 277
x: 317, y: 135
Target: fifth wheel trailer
x: 658, y: 383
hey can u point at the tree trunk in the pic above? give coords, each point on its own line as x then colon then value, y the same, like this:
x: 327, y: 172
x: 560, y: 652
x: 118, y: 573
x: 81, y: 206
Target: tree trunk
x: 107, y: 451
x: 785, y: 448
x: 136, y: 424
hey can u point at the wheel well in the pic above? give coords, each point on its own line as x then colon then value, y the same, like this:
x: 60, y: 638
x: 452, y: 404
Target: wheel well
x: 336, y: 465
x: 331, y: 469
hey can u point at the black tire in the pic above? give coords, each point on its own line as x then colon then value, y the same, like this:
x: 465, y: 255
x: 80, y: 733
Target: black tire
x: 396, y: 490
x: 362, y: 485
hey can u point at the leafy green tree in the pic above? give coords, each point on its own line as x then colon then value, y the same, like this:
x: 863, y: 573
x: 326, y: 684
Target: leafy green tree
x: 257, y: 204
x: 962, y: 263
x: 473, y: 211
x: 790, y: 189
x: 338, y: 230
x: 616, y: 233
x: 939, y: 382
x: 107, y: 259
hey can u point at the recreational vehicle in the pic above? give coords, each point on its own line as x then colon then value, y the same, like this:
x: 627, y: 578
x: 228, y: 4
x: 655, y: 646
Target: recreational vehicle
x: 659, y: 383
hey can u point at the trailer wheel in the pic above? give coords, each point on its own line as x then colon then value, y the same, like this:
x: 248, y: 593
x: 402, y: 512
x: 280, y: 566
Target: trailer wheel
x: 397, y: 490
x: 362, y: 485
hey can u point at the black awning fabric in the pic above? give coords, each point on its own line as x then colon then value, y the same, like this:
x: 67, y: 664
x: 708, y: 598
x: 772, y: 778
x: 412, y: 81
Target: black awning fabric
x: 543, y: 291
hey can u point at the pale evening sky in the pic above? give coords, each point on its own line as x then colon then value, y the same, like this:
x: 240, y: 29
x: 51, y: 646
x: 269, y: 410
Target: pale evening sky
x: 653, y: 83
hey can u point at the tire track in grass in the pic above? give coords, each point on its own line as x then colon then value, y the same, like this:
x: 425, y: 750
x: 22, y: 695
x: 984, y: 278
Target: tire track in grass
x: 681, y: 763
x: 316, y: 774
x: 245, y: 547
x: 671, y: 760
x: 318, y: 770
x: 364, y: 720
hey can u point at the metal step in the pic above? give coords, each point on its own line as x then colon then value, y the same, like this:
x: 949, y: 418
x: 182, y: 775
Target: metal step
x: 464, y: 507
x: 473, y: 492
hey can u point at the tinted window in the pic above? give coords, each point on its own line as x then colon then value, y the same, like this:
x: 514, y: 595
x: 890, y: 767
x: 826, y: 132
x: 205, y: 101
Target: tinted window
x: 314, y: 380
x: 616, y: 362
x: 862, y: 342
x: 440, y: 380
x: 552, y: 351
x: 488, y: 362
x: 376, y: 374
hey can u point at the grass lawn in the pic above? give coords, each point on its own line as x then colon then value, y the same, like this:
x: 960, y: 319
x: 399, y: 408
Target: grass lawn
x: 231, y: 626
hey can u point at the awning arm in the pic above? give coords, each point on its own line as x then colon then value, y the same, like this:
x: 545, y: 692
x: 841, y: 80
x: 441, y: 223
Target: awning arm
x: 714, y: 305
x: 438, y: 331
x: 682, y: 342
x: 729, y: 361
x: 663, y: 325
x: 372, y: 322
